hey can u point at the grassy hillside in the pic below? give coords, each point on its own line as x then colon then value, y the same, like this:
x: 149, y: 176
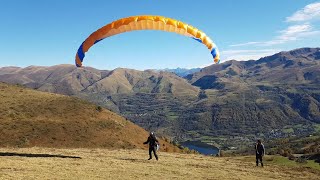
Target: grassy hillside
x: 33, y: 118
x: 133, y: 164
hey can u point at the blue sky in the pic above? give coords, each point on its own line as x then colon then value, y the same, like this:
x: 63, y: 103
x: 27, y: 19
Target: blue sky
x: 46, y: 33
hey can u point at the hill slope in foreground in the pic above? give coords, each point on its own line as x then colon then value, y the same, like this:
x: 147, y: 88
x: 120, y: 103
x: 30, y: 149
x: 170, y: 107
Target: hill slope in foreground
x: 132, y: 164
x: 32, y: 118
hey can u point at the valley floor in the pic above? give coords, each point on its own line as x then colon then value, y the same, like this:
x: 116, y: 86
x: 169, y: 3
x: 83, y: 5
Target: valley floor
x: 49, y: 163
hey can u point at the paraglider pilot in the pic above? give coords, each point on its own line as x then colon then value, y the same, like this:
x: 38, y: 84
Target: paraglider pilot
x: 153, y: 144
x: 259, y: 152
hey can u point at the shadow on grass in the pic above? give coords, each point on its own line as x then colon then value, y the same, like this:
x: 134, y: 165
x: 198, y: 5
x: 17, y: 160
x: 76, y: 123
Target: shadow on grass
x: 37, y: 155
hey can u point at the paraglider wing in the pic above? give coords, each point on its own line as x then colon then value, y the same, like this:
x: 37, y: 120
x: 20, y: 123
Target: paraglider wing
x: 134, y: 23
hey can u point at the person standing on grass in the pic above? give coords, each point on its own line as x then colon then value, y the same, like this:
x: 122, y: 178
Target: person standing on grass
x: 259, y: 152
x: 153, y: 143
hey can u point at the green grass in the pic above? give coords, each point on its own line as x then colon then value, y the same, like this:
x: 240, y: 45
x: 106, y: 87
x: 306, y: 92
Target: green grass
x: 304, y: 139
x: 206, y: 138
x: 280, y: 160
x: 283, y: 161
x: 193, y: 133
x: 298, y: 126
x: 288, y: 130
x: 172, y: 118
x: 317, y: 127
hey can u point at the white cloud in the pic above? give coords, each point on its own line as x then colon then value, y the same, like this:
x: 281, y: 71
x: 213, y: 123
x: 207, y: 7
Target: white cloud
x: 296, y: 29
x: 309, y: 12
x: 292, y: 33
x: 301, y: 30
x: 246, y: 51
x: 245, y: 44
x: 247, y: 54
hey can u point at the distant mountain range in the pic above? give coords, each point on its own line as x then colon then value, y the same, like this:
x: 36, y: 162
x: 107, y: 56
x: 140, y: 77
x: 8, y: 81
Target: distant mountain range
x: 232, y: 98
x: 182, y: 72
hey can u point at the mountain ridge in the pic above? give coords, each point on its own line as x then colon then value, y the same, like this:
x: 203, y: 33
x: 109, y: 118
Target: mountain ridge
x: 234, y: 97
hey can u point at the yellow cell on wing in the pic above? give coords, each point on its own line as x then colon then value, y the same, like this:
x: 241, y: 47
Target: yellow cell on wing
x: 192, y: 31
x: 142, y: 18
x: 171, y: 22
x: 181, y: 25
x: 157, y: 18
x: 199, y: 35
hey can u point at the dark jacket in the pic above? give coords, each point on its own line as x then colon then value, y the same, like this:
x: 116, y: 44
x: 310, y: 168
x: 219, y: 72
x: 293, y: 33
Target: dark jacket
x: 259, y: 149
x: 152, y: 140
